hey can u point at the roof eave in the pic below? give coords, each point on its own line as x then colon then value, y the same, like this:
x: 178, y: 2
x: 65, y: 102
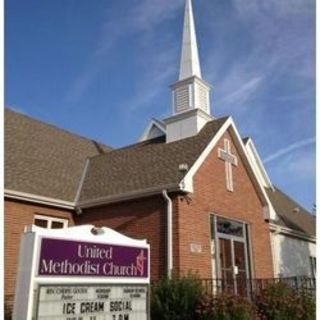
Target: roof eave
x: 129, y: 196
x: 29, y: 197
x: 293, y: 233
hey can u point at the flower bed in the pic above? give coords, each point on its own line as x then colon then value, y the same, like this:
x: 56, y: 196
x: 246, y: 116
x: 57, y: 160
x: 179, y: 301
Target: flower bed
x: 185, y: 299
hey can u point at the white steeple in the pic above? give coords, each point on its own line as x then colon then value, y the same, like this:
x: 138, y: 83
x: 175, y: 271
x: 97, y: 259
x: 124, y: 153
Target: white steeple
x: 190, y: 94
x: 189, y: 65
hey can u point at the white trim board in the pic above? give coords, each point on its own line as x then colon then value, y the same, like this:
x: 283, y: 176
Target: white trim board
x: 29, y: 197
x: 293, y: 233
x: 257, y: 163
x: 83, y: 176
x: 129, y: 196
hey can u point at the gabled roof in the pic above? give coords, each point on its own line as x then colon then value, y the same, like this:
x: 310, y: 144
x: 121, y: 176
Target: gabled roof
x: 46, y: 161
x: 291, y: 214
x: 152, y: 164
x: 43, y: 160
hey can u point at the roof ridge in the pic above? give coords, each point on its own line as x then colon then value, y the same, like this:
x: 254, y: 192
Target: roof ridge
x: 149, y: 141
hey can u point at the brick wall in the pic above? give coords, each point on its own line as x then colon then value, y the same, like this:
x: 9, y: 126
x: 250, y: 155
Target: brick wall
x: 140, y: 219
x: 17, y: 216
x: 211, y: 196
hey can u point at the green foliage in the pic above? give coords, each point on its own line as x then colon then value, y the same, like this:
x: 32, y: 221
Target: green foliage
x: 280, y: 302
x: 309, y: 305
x: 175, y: 299
x: 225, y: 307
x: 183, y: 299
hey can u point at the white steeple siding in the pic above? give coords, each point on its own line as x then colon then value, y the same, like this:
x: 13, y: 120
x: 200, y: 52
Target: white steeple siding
x: 189, y: 65
x: 190, y: 94
x: 185, y: 124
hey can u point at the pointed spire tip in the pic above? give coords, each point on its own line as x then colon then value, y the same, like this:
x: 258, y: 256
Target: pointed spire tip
x: 189, y: 65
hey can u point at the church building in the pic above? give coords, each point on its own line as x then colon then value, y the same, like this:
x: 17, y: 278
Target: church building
x: 192, y: 186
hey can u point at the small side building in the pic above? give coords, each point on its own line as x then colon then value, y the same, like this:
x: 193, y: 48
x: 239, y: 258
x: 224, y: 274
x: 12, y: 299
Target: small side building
x: 292, y: 227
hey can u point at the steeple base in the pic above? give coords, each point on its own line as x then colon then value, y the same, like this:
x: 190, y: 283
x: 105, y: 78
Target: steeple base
x: 186, y: 124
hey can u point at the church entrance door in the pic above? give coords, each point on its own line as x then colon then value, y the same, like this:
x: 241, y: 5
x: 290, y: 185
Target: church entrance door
x: 232, y: 257
x: 233, y: 266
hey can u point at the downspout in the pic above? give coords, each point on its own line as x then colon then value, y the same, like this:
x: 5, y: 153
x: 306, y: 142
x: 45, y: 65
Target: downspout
x: 169, y: 233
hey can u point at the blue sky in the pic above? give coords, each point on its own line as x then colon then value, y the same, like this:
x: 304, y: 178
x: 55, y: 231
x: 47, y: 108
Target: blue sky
x: 102, y: 69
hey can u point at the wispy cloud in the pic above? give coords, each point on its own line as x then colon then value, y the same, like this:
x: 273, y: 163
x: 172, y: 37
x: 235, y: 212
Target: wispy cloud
x: 287, y: 150
x: 280, y: 31
x: 278, y: 41
x: 277, y: 8
x: 141, y: 18
x: 295, y: 174
x: 150, y: 89
x: 153, y: 84
x: 303, y: 167
x: 82, y: 82
x: 244, y: 93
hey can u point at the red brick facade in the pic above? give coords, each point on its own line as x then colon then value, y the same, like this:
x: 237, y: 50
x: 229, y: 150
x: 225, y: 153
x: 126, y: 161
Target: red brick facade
x: 17, y: 216
x: 211, y: 197
x: 145, y: 218
x: 141, y: 219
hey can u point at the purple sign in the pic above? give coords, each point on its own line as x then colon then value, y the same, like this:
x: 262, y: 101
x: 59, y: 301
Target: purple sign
x: 73, y: 258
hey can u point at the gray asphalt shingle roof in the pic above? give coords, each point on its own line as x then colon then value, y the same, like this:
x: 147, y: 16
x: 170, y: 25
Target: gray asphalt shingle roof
x: 46, y: 161
x: 43, y: 160
x: 149, y: 164
x: 291, y: 214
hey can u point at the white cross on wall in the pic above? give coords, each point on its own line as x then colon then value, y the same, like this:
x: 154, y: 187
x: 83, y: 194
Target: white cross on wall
x: 230, y: 160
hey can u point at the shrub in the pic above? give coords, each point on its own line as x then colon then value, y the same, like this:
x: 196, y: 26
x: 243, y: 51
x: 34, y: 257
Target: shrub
x: 280, y: 302
x: 225, y: 307
x: 182, y: 299
x: 175, y: 299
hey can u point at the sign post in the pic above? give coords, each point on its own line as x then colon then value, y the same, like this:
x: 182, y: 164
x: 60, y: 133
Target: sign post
x: 82, y: 273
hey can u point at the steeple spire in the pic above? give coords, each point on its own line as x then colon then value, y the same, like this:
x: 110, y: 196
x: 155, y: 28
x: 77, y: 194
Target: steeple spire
x: 189, y: 65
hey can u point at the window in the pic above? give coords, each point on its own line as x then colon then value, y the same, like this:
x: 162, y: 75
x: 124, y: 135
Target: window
x: 229, y: 227
x: 50, y: 222
x: 313, y: 266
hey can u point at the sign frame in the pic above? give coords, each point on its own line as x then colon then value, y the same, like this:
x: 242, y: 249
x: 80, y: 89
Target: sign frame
x: 29, y: 281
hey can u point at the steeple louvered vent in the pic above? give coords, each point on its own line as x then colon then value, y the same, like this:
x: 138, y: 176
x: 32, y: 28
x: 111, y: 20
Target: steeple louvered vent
x: 182, y: 98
